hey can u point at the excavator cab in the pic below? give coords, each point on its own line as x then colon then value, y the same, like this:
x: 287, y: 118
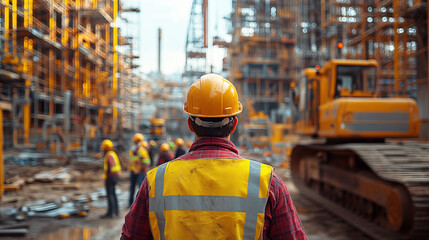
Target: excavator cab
x: 339, y: 101
x: 307, y: 101
x: 355, y: 81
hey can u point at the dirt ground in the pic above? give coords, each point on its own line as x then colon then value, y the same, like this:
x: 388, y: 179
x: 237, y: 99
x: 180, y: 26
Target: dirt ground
x: 82, y: 183
x: 318, y: 223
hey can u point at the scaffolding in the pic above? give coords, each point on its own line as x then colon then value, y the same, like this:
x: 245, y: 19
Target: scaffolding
x: 195, y: 49
x: 392, y: 31
x: 60, y: 71
x: 262, y: 51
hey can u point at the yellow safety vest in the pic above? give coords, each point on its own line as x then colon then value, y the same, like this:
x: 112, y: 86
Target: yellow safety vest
x: 208, y: 199
x: 115, y: 168
x: 135, y: 163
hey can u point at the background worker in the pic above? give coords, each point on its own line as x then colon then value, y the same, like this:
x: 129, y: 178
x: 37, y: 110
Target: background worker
x: 112, y: 169
x: 171, y: 144
x: 152, y: 151
x: 164, y: 155
x: 146, y: 162
x: 146, y: 146
x: 212, y: 192
x: 139, y: 164
x: 180, y: 148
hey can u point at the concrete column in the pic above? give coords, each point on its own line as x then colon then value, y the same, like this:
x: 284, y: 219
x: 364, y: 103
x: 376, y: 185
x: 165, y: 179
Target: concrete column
x: 67, y: 116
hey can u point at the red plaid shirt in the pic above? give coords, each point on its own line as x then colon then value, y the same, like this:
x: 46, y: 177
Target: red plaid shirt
x: 281, y: 218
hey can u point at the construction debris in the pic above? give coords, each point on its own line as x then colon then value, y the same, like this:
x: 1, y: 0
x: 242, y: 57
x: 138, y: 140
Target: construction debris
x: 67, y: 186
x: 61, y: 174
x: 31, y: 158
x: 14, y: 184
x: 45, y: 209
x: 11, y: 188
x: 14, y: 232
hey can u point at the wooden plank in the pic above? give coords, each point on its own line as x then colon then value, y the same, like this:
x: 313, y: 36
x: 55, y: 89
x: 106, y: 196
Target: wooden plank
x: 12, y: 179
x: 68, y: 186
x: 13, y: 232
x: 13, y: 226
x: 11, y: 188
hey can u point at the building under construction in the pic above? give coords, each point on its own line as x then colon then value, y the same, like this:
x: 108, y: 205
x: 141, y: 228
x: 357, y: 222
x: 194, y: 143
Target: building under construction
x: 262, y: 51
x: 61, y: 72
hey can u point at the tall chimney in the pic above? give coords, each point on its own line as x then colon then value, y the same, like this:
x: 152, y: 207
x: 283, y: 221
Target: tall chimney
x: 159, y: 49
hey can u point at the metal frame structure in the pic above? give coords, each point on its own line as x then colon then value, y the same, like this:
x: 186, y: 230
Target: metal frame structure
x: 196, y: 43
x: 49, y: 48
x: 393, y: 32
x: 262, y: 51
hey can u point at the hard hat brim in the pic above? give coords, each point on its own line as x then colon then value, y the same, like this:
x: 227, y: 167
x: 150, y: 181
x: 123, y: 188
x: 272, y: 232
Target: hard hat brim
x: 240, y: 109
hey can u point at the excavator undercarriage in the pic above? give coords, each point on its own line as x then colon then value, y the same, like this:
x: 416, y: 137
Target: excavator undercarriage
x: 382, y: 189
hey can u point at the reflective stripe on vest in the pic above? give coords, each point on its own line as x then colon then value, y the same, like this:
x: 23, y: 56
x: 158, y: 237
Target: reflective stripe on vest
x: 115, y: 168
x: 196, y: 204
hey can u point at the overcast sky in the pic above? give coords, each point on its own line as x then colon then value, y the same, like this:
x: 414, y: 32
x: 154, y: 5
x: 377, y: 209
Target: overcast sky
x: 172, y: 16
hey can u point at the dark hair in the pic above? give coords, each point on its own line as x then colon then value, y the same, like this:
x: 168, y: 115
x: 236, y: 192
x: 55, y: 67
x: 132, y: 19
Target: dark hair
x: 222, y: 131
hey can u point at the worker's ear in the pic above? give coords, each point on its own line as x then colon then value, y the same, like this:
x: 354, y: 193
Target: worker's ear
x: 190, y: 126
x: 235, y: 124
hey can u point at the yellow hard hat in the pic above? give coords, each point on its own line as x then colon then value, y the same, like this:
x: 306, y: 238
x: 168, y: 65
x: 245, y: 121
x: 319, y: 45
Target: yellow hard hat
x: 107, y: 145
x: 144, y: 144
x: 165, y: 147
x: 152, y: 143
x: 212, y: 96
x: 138, y: 137
x: 179, y: 141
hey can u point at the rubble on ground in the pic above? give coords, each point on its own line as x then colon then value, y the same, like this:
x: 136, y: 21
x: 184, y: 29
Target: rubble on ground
x: 43, y: 186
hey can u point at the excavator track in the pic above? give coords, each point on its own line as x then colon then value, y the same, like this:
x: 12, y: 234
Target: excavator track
x: 380, y: 188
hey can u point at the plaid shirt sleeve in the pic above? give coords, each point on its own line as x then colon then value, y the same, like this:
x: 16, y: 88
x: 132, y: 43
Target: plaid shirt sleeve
x: 281, y: 218
x: 136, y: 224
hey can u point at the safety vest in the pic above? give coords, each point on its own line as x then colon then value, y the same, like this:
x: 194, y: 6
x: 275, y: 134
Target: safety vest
x: 208, y: 199
x: 115, y: 168
x: 137, y: 158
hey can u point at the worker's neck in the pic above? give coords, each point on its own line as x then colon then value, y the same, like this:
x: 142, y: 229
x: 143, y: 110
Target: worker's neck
x: 227, y: 137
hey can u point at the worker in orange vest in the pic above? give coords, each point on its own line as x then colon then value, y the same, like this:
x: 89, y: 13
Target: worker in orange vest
x: 139, y: 164
x: 112, y: 170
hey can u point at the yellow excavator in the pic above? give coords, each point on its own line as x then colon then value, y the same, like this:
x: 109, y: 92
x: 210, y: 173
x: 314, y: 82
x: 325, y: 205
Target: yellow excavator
x: 357, y: 165
x: 157, y: 129
x: 257, y: 130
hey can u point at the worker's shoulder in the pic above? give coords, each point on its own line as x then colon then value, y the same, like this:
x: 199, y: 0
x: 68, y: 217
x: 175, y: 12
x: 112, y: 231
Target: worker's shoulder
x: 278, y: 184
x: 141, y: 148
x: 111, y: 154
x: 257, y: 162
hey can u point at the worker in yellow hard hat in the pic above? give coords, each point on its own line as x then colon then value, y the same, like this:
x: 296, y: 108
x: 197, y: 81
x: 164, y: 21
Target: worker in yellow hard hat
x: 112, y: 169
x: 180, y: 148
x: 139, y: 164
x: 164, y: 154
x: 212, y: 192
